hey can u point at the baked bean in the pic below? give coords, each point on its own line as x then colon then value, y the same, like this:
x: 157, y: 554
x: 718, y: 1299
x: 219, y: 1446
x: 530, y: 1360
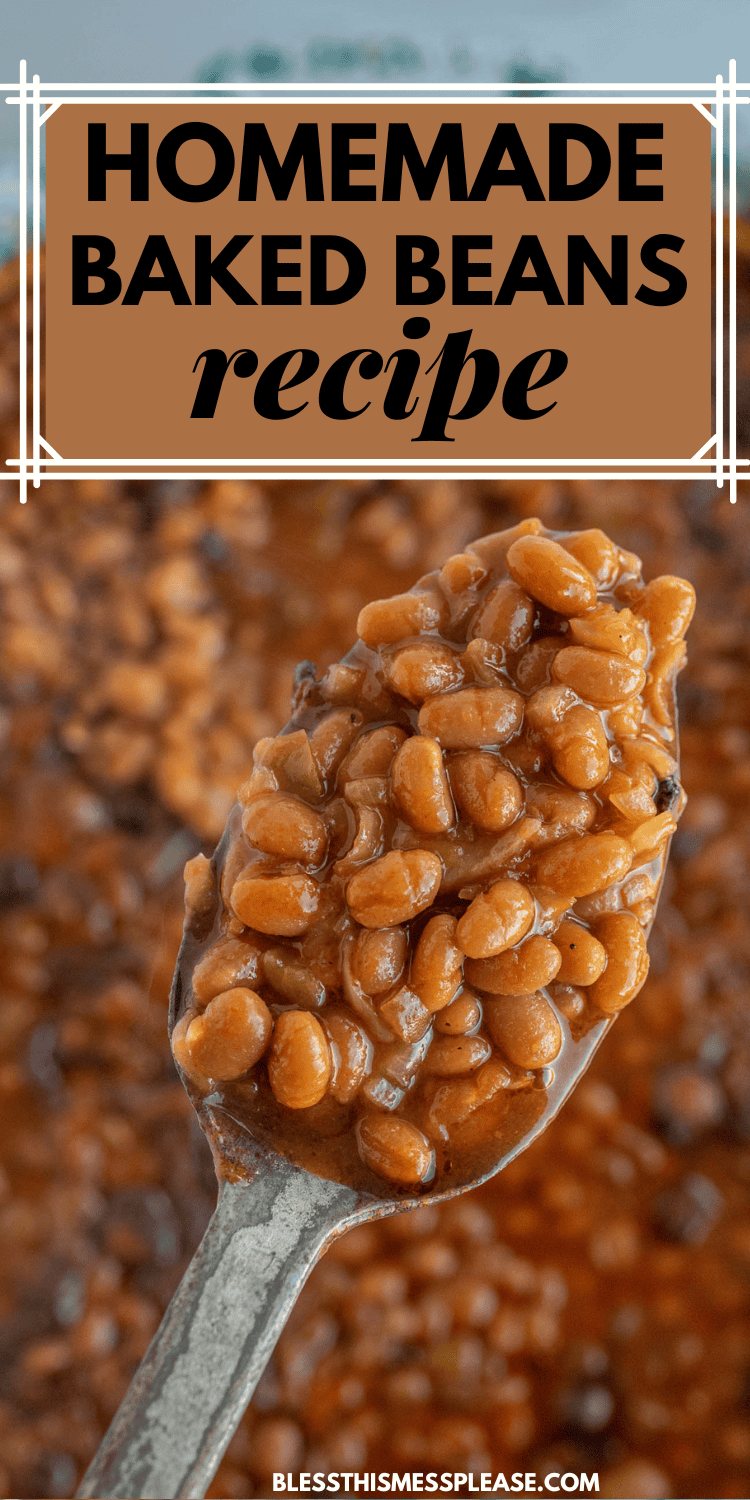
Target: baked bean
x: 461, y: 1016
x: 487, y: 793
x: 550, y: 574
x: 387, y: 621
x: 351, y: 1055
x: 460, y: 573
x: 471, y: 717
x: 379, y: 958
x: 547, y: 707
x: 667, y: 605
x: 597, y: 554
x: 586, y: 863
x: 580, y: 752
x: 601, y: 677
x: 583, y: 957
x: 627, y: 961
x: 517, y: 971
x: 563, y: 811
x: 505, y: 616
x: 420, y: 786
x: 292, y: 979
x: 483, y: 661
x: 395, y: 888
x: 436, y: 968
x: 658, y: 695
x: 496, y: 919
x: 225, y: 1039
x: 570, y: 1001
x: 419, y: 672
x: 299, y: 1059
x: 395, y: 1149
x: 282, y: 905
x: 332, y: 737
x: 372, y: 754
x: 608, y: 629
x: 450, y: 1055
x: 405, y: 1015
x: 533, y: 668
x: 291, y: 760
x: 525, y: 1028
x: 228, y: 963
x: 282, y: 825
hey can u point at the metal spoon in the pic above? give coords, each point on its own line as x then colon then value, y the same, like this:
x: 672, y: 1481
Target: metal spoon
x: 273, y: 1221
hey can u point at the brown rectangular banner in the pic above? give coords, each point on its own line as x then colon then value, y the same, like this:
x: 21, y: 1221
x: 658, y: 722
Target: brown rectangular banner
x: 378, y: 283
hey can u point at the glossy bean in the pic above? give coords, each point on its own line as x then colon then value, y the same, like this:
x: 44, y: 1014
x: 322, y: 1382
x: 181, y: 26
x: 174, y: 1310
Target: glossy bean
x: 420, y: 785
x: 525, y: 1028
x: 299, y: 1060
x: 496, y: 919
x: 395, y: 1149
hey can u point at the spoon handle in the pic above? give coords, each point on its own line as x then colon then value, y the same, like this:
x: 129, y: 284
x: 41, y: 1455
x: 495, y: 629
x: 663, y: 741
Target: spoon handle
x: 217, y: 1335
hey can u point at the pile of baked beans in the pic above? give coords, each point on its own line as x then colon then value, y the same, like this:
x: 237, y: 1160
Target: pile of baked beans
x: 439, y: 876
x: 589, y: 1309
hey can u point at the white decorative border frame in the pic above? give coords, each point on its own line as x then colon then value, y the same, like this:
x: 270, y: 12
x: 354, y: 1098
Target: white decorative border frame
x: 44, y: 463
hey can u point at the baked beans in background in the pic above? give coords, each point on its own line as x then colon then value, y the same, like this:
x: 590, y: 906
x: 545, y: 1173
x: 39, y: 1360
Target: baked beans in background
x: 589, y: 1309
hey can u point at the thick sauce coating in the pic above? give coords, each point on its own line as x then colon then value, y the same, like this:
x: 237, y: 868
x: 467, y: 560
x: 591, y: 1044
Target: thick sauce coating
x: 446, y: 864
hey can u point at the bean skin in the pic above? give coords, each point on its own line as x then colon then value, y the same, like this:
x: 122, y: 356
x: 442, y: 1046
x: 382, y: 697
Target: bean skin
x: 395, y: 1150
x: 496, y: 919
x: 550, y: 574
x: 299, y: 1061
x: 395, y: 888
